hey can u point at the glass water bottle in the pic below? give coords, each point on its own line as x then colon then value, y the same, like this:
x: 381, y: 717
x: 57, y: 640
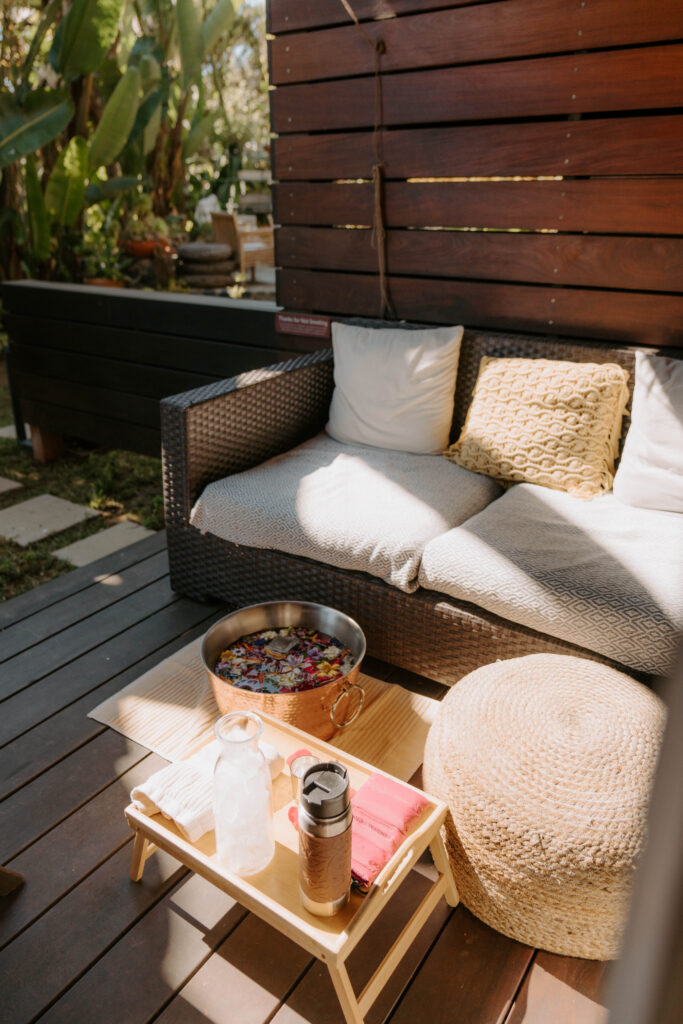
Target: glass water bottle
x: 242, y: 796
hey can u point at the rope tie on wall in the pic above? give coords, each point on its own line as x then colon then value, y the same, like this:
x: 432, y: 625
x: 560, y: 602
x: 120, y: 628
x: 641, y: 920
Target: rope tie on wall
x: 379, y: 235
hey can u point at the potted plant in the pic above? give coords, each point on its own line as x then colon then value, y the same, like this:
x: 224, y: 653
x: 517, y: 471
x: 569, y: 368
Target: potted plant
x: 101, y: 265
x: 144, y: 231
x: 99, y: 258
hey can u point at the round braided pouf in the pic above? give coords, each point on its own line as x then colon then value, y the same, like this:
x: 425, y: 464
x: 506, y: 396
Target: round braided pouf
x: 546, y: 764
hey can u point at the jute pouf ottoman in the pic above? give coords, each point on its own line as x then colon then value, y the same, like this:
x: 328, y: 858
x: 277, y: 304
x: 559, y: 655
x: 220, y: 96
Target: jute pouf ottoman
x: 546, y: 764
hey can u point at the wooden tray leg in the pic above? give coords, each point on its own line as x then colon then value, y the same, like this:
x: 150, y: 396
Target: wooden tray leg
x: 402, y: 944
x: 141, y: 852
x: 354, y: 1008
x: 345, y: 993
x: 443, y: 866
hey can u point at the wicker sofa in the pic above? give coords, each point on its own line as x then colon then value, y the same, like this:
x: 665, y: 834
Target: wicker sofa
x: 226, y: 428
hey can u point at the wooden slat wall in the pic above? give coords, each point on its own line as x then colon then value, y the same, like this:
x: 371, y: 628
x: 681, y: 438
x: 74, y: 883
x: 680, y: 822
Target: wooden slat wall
x: 463, y: 35
x: 533, y: 156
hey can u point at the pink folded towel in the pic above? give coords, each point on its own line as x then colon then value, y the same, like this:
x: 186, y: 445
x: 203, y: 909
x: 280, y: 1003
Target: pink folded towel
x: 383, y: 813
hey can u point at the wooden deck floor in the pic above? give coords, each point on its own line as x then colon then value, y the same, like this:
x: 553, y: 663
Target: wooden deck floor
x: 80, y: 943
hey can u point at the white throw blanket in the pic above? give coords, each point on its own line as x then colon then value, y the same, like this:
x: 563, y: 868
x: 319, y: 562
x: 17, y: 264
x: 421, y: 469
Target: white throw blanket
x: 183, y: 792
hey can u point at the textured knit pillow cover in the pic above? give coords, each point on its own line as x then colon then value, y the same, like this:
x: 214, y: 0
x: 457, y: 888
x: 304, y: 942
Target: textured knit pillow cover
x: 394, y: 388
x: 650, y: 473
x: 545, y: 421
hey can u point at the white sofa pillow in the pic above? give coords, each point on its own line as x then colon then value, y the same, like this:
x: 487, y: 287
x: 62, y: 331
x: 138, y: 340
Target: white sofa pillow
x: 650, y: 474
x: 394, y: 387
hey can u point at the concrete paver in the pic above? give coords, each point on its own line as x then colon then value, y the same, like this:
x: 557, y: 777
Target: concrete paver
x: 40, y: 517
x: 8, y: 485
x: 102, y: 543
x: 10, y: 433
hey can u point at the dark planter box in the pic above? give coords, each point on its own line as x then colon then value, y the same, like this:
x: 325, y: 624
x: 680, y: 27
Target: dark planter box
x: 94, y: 362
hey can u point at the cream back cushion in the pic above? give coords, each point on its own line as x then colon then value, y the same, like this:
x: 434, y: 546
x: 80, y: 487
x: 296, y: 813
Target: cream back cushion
x: 545, y: 421
x: 650, y: 473
x: 394, y: 388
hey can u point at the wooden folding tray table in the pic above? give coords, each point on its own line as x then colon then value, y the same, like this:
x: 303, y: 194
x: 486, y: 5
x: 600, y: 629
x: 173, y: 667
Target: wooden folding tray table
x: 273, y: 894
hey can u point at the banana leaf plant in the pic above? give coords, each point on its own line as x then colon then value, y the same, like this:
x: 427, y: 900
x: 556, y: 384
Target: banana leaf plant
x: 48, y: 128
x: 30, y: 118
x: 78, y: 128
x: 173, y: 121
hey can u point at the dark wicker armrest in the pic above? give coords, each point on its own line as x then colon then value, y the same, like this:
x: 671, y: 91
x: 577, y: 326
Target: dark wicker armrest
x: 223, y: 428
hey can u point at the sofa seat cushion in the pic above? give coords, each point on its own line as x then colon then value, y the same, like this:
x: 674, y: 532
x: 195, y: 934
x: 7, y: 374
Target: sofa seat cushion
x: 599, y: 574
x: 350, y: 506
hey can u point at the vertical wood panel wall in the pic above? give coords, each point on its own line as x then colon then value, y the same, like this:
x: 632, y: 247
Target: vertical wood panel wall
x: 533, y: 156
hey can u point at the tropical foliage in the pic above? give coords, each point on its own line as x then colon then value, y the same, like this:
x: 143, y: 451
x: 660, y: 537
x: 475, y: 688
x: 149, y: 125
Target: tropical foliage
x: 103, y: 99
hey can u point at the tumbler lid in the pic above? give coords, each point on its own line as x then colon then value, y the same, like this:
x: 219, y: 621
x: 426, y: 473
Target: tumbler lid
x: 325, y: 790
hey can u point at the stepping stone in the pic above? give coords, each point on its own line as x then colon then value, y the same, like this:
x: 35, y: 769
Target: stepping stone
x: 103, y: 543
x: 40, y: 517
x: 10, y: 432
x: 8, y: 485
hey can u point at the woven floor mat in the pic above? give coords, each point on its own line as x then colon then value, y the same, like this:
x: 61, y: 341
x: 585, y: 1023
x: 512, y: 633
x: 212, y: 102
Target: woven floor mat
x: 171, y: 711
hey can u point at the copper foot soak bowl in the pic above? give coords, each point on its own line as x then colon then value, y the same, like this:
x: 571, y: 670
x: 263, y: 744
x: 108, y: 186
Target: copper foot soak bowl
x: 319, y: 711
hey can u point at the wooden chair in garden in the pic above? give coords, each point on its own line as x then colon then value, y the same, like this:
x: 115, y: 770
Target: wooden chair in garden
x: 253, y: 246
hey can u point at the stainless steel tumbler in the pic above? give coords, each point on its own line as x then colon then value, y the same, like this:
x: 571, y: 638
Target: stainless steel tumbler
x: 325, y: 839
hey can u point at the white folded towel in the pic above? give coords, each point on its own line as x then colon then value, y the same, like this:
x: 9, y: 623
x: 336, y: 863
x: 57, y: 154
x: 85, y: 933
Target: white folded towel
x: 183, y: 792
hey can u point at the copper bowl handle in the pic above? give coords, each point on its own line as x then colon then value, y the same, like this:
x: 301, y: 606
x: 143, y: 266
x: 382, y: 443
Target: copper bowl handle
x: 354, y: 716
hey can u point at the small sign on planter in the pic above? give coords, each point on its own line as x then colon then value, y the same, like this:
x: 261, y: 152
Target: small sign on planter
x: 303, y: 323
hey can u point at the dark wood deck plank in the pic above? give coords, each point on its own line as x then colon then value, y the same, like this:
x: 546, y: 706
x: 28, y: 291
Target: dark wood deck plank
x: 71, y: 850
x: 563, y: 989
x: 81, y: 942
x: 33, y: 752
x: 28, y: 708
x: 87, y: 635
x: 246, y: 979
x: 39, y: 806
x: 149, y: 964
x: 45, y: 624
x: 51, y: 593
x: 471, y: 974
x: 46, y: 958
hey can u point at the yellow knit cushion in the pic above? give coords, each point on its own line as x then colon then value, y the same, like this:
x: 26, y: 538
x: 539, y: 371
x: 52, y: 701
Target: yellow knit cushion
x: 546, y: 422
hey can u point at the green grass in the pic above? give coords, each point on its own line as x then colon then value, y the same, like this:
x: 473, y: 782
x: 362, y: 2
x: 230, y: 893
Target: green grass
x: 120, y: 485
